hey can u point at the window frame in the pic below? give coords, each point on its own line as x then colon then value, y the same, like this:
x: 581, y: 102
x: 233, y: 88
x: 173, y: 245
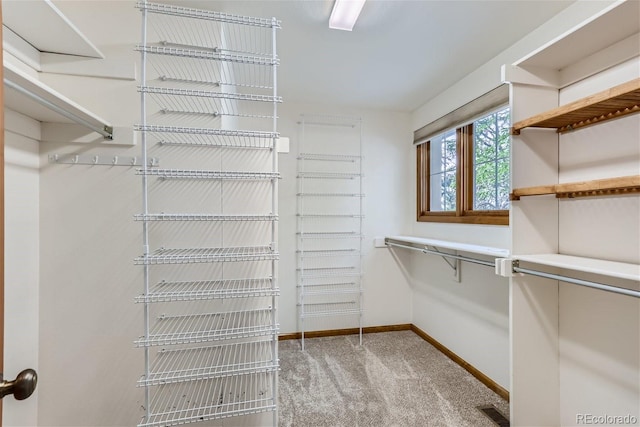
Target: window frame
x: 464, y: 212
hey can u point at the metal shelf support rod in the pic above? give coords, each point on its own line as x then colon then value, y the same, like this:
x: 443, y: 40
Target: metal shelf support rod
x: 443, y: 254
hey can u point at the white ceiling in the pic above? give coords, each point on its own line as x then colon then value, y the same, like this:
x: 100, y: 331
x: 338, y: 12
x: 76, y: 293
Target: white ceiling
x: 400, y: 53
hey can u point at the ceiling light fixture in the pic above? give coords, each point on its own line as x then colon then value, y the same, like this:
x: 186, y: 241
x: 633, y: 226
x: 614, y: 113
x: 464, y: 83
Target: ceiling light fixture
x: 345, y: 14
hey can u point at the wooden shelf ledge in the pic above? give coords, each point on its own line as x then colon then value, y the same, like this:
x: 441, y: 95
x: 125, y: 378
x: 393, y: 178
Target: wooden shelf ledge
x: 612, y: 103
x: 599, y: 187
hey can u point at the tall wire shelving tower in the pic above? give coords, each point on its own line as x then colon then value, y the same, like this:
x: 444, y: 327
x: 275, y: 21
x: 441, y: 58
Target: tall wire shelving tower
x: 209, y: 111
x: 330, y: 224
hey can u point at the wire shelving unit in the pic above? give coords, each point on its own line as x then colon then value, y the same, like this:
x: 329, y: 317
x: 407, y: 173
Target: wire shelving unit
x: 329, y: 231
x: 209, y: 255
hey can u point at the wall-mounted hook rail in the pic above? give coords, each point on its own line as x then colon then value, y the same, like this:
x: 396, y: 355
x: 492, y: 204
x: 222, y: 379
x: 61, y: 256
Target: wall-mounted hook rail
x: 100, y: 160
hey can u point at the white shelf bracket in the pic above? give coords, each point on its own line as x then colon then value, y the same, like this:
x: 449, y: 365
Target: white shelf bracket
x: 455, y: 264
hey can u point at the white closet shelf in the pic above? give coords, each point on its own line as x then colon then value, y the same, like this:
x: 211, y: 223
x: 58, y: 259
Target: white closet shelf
x: 203, y: 217
x: 321, y: 215
x: 188, y: 136
x: 444, y: 244
x: 201, y: 363
x: 207, y: 174
x: 343, y: 308
x: 328, y: 253
x: 201, y: 255
x: 330, y: 195
x: 206, y: 400
x: 615, y: 269
x: 165, y: 291
x: 332, y: 288
x: 200, y: 328
x: 329, y: 157
x: 27, y: 95
x: 209, y: 55
x: 331, y: 235
x: 328, y: 175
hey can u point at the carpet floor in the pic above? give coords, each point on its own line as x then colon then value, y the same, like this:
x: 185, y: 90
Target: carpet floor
x: 393, y: 379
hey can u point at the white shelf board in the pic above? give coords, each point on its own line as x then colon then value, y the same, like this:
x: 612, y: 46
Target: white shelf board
x: 615, y: 23
x: 616, y: 269
x: 23, y: 104
x: 445, y: 244
x: 29, y: 18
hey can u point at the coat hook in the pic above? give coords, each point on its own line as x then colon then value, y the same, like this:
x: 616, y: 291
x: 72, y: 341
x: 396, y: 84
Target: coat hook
x: 115, y: 160
x: 95, y: 160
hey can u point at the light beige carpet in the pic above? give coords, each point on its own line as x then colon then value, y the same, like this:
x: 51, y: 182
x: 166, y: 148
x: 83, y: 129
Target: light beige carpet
x: 393, y: 379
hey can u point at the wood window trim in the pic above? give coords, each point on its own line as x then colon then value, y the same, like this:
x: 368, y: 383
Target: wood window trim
x: 464, y: 213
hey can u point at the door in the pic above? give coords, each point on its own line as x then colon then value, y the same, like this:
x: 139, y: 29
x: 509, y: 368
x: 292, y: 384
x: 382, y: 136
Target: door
x: 25, y: 382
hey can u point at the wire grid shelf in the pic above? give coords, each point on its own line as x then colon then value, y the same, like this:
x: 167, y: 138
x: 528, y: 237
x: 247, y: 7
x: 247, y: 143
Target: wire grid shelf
x: 330, y: 195
x: 202, y: 217
x: 183, y: 403
x: 321, y: 272
x: 332, y: 288
x: 208, y: 137
x: 208, y: 103
x: 330, y: 120
x: 199, y: 328
x: 207, y: 174
x: 201, y: 363
x: 343, y: 308
x: 209, y: 68
x: 200, y: 255
x: 329, y: 157
x: 328, y: 175
x: 186, y: 12
x: 320, y: 253
x: 331, y: 235
x: 320, y: 215
x: 208, y: 289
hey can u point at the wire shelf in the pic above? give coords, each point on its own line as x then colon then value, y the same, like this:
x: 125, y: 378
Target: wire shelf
x: 346, y: 308
x: 328, y: 175
x: 331, y: 235
x: 329, y: 157
x: 324, y: 272
x: 329, y: 216
x: 201, y: 255
x: 331, y: 288
x: 179, y: 11
x: 175, y: 135
x: 199, y: 328
x: 201, y: 363
x: 191, y: 101
x: 203, y: 217
x: 330, y: 194
x: 183, y: 403
x: 208, y: 289
x: 206, y: 174
x: 179, y: 65
x: 328, y: 253
x: 330, y: 120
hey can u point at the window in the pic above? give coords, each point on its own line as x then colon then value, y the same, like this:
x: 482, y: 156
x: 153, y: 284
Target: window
x: 463, y: 173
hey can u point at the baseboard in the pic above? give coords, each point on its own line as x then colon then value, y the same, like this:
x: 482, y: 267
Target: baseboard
x: 491, y: 384
x: 348, y: 331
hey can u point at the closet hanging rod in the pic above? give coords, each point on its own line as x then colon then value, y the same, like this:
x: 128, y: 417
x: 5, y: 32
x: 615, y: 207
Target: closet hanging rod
x: 580, y: 282
x: 105, y: 130
x: 443, y: 254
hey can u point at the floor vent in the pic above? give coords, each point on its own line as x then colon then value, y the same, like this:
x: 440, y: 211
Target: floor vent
x: 494, y: 415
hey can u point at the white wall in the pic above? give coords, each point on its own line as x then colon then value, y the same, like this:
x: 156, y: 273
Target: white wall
x: 477, y: 308
x: 21, y: 261
x: 387, y: 208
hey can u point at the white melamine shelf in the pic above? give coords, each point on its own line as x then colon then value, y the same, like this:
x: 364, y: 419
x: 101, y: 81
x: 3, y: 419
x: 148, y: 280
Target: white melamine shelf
x: 196, y: 401
x: 444, y: 244
x: 615, y: 269
x: 199, y: 328
x: 202, y: 217
x: 201, y: 363
x: 207, y: 174
x: 200, y: 255
x: 208, y: 289
x: 27, y: 95
x: 207, y: 137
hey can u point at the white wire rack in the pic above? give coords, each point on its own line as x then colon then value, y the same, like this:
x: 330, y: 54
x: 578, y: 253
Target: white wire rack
x: 208, y: 79
x: 207, y: 174
x: 167, y: 291
x: 206, y: 137
x: 199, y: 328
x: 200, y: 255
x: 329, y: 234
x: 205, y: 400
x: 202, y: 363
x: 202, y: 217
